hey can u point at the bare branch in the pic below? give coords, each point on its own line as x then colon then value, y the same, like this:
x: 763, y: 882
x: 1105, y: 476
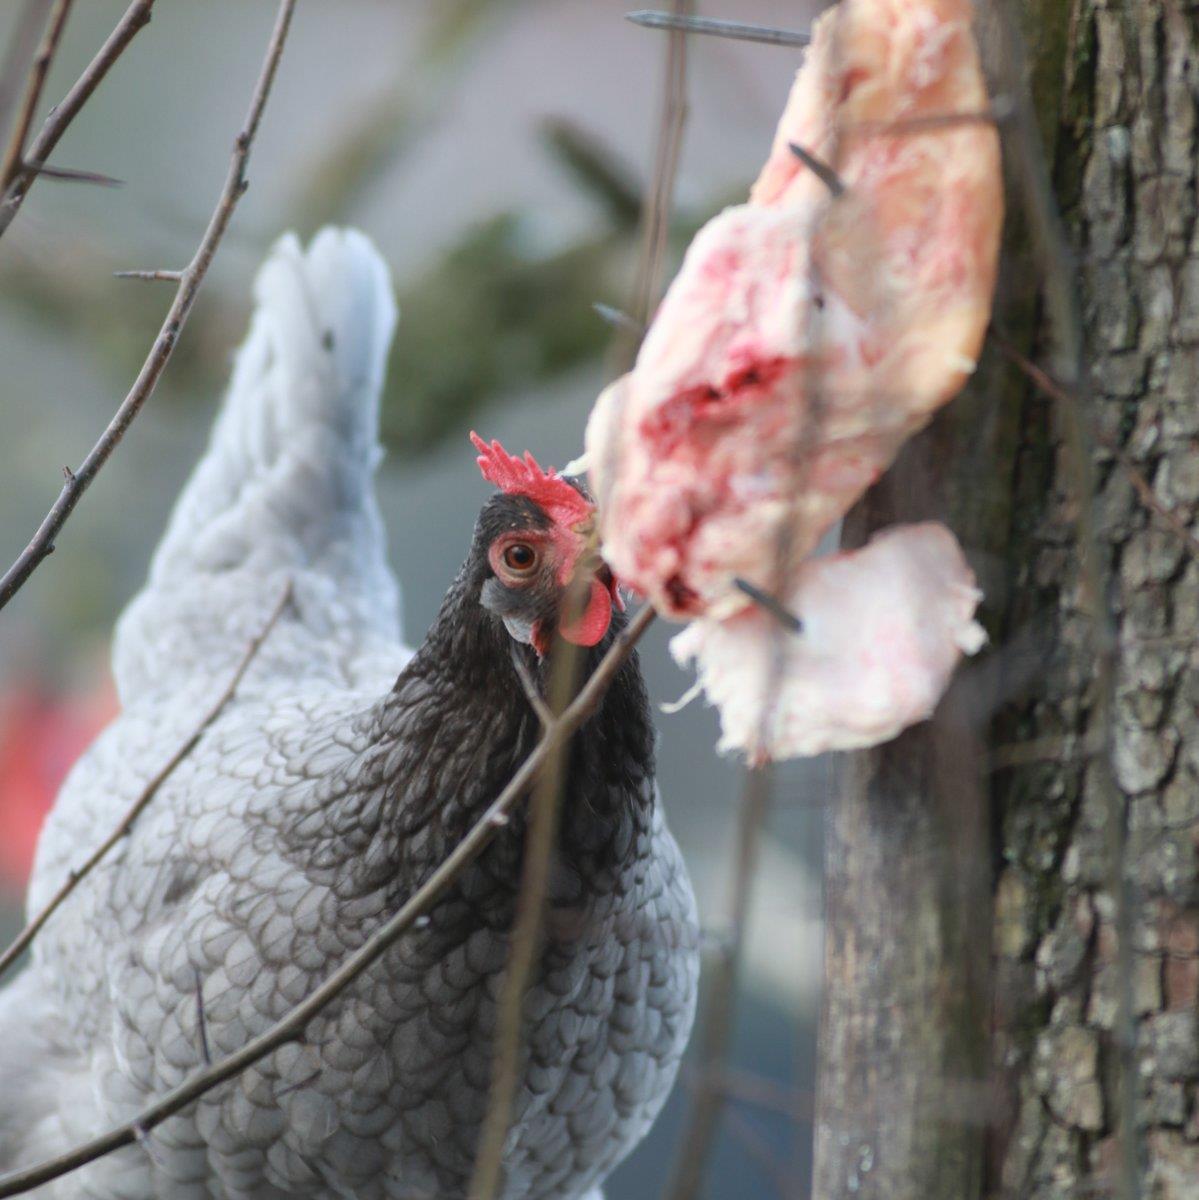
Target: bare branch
x: 168, y: 335
x: 292, y: 1026
x: 15, y: 152
x: 26, y: 936
x: 137, y: 15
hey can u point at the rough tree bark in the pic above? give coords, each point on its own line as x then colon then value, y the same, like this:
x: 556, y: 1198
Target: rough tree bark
x: 972, y: 1038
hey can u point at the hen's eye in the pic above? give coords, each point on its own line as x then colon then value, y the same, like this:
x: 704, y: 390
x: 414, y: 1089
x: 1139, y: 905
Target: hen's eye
x: 519, y: 557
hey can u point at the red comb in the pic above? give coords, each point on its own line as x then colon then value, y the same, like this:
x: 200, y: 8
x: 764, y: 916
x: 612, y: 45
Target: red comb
x: 523, y: 477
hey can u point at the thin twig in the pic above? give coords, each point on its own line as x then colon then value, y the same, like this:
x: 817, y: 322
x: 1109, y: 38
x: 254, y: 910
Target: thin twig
x: 136, y: 17
x: 756, y: 1146
x: 716, y: 27
x: 1055, y: 391
x: 72, y: 174
x: 299, y: 1083
x: 1180, y: 641
x: 565, y: 662
x: 1046, y: 749
x: 202, y: 1021
x: 717, y: 1033
x: 761, y: 1092
x: 1152, y: 500
x: 543, y: 823
x: 22, y: 46
x: 168, y: 335
x: 529, y: 685
x: 544, y: 815
x: 150, y: 276
x: 15, y: 153
x: 31, y: 930
x: 755, y: 801
x: 525, y: 940
x: 656, y: 224
x: 292, y: 1026
x: 142, y: 1137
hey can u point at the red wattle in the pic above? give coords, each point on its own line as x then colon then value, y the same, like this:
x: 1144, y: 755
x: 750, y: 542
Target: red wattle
x: 596, y: 618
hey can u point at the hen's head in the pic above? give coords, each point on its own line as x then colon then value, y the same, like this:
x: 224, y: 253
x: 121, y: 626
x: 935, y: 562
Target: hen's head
x: 542, y: 571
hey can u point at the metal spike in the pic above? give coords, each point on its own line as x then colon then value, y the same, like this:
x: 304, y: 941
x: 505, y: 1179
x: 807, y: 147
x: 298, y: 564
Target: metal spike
x: 820, y: 169
x: 618, y: 319
x: 737, y: 30
x: 768, y: 603
x: 1000, y: 110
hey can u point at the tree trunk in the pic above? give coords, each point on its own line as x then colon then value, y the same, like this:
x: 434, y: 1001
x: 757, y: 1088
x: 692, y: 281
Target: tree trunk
x: 1103, y: 1102
x: 1090, y: 1082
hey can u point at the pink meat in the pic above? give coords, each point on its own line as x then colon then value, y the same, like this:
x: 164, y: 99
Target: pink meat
x: 884, y: 627
x: 805, y: 339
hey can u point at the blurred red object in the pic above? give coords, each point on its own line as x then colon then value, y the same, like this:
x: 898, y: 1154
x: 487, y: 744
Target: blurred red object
x: 42, y: 733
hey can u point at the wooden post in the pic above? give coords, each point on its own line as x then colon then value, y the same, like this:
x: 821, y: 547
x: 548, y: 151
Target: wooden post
x: 903, y: 1100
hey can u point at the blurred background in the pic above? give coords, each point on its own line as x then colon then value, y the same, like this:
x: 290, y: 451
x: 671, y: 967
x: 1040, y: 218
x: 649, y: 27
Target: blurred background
x: 497, y: 152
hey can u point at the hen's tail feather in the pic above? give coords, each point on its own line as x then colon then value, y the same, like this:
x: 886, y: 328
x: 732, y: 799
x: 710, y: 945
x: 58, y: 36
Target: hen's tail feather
x: 293, y: 450
x: 285, y: 489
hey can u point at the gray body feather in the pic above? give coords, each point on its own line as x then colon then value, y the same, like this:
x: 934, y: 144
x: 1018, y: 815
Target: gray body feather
x: 322, y: 796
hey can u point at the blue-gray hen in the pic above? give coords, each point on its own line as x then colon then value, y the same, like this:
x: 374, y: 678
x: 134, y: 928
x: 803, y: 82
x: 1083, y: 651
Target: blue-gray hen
x: 342, y: 773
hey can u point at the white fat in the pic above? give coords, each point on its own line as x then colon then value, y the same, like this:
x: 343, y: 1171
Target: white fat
x: 884, y: 627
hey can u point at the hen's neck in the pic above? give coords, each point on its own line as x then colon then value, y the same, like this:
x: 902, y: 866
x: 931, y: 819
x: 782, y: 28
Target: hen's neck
x: 456, y: 728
